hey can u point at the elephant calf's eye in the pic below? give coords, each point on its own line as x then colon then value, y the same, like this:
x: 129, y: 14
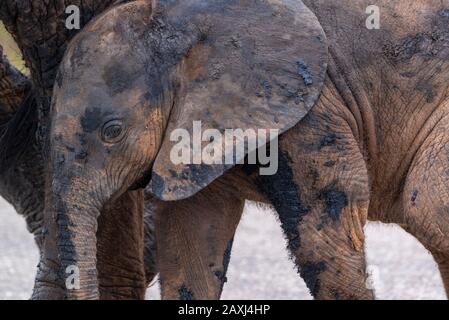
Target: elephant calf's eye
x: 112, y: 131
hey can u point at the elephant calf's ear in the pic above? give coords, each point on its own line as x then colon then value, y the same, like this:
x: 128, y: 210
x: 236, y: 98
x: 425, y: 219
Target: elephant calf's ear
x: 259, y: 65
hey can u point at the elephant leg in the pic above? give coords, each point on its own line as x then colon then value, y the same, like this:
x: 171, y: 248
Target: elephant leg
x: 120, y: 248
x: 194, y: 239
x: 331, y: 259
x: 321, y: 194
x: 425, y: 198
x: 23, y: 186
x: 152, y: 206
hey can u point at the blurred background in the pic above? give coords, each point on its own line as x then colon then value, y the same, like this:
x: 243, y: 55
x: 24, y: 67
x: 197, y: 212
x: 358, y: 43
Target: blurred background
x: 10, y: 49
x: 260, y: 267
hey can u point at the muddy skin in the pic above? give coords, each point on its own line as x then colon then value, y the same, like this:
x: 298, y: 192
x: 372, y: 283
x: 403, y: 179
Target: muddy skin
x: 328, y: 140
x: 405, y: 154
x: 270, y: 90
x: 209, y: 220
x: 44, y: 47
x: 304, y: 71
x: 92, y: 119
x: 22, y: 186
x: 18, y: 135
x: 121, y: 252
x: 310, y: 273
x: 22, y: 178
x: 330, y: 257
x: 21, y: 173
x: 221, y: 275
x: 102, y: 143
x: 227, y: 258
x: 283, y: 193
x: 335, y: 201
x: 14, y: 88
x: 118, y: 79
x: 150, y: 244
x: 373, y: 166
x: 414, y: 197
x: 384, y: 133
x: 329, y: 164
x: 185, y: 294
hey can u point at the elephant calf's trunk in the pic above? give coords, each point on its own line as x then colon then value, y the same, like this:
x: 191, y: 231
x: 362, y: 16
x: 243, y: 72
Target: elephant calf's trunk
x: 77, y: 248
x: 68, y: 265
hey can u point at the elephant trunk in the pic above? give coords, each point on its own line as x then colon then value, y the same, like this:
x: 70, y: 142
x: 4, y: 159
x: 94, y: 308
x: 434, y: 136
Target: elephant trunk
x: 77, y: 248
x: 67, y: 269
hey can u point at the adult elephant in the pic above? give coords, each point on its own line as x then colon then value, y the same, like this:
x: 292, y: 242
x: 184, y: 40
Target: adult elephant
x: 373, y: 145
x: 23, y: 118
x: 21, y: 165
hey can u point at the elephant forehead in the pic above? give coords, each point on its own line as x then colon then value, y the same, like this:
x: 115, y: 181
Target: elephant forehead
x: 92, y: 79
x: 120, y: 76
x: 112, y: 41
x: 90, y: 63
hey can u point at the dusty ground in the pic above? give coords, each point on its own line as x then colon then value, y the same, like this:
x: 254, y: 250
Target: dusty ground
x: 260, y: 268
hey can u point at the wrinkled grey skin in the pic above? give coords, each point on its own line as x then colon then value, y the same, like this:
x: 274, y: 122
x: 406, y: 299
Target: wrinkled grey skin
x: 110, y: 115
x: 22, y: 186
x: 23, y: 120
x: 366, y: 150
x: 21, y: 159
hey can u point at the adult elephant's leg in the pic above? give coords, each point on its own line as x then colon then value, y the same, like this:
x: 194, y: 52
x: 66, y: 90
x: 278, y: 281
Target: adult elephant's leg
x: 321, y: 194
x: 194, y: 239
x: 22, y: 179
x: 120, y: 248
x: 23, y: 187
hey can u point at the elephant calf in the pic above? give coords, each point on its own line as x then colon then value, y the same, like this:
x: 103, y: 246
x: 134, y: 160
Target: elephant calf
x: 22, y: 184
x: 363, y: 117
